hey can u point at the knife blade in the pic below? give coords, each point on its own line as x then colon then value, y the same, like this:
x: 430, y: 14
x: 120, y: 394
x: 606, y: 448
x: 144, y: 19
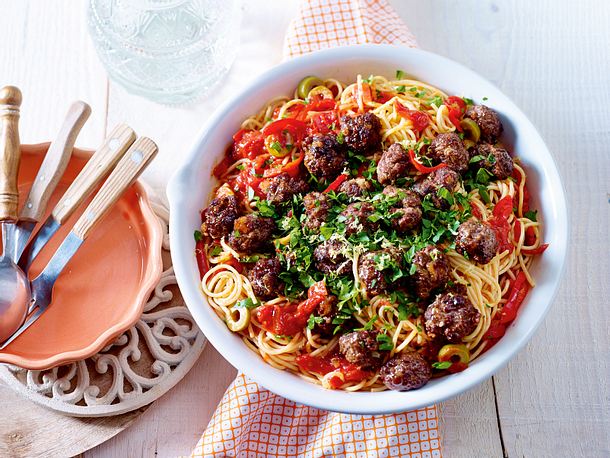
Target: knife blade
x: 100, y: 164
x: 51, y: 170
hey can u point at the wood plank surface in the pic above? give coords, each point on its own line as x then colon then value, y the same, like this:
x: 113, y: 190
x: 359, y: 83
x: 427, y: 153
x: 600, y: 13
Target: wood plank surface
x: 551, y: 57
x: 553, y: 60
x: 45, y: 50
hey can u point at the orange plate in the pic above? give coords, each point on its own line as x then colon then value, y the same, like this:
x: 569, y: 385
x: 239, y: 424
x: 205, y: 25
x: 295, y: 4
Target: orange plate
x: 103, y: 290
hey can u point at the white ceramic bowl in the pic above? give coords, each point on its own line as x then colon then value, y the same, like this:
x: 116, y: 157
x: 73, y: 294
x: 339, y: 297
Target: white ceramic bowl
x: 190, y: 188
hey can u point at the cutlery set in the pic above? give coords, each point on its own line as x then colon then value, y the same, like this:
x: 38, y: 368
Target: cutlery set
x: 117, y: 163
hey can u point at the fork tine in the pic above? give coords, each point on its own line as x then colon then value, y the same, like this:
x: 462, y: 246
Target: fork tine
x: 31, y: 320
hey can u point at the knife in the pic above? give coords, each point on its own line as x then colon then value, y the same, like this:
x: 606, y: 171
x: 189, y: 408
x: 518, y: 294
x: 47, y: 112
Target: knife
x: 126, y: 172
x: 100, y: 164
x: 50, y: 172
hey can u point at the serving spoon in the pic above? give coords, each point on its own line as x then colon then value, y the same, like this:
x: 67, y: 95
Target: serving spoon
x: 14, y: 285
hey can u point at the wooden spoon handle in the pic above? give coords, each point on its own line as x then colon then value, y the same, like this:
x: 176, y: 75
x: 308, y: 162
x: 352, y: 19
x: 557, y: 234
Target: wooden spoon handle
x: 10, y: 152
x: 100, y: 164
x: 55, y: 163
x: 126, y: 172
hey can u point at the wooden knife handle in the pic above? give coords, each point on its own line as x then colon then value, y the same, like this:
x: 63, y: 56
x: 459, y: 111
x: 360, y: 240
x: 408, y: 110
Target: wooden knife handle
x: 100, y: 164
x: 55, y: 163
x: 126, y: 172
x: 10, y: 152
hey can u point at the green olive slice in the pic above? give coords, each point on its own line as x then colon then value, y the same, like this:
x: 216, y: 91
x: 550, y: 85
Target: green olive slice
x: 238, y: 319
x: 306, y: 85
x: 471, y: 128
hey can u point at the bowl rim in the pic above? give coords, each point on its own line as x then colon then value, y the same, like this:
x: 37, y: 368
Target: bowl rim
x: 347, y: 401
x: 149, y: 282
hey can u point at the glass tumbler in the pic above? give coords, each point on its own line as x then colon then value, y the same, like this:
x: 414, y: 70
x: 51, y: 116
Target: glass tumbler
x: 170, y: 51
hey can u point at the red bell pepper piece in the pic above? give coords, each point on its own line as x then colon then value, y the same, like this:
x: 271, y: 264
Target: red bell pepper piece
x: 221, y: 168
x: 321, y: 104
x: 294, y: 127
x: 324, y: 122
x: 495, y: 332
x: 499, y: 222
x: 504, y: 208
x: 456, y: 107
x: 248, y: 143
x: 533, y: 251
x: 421, y: 167
x: 418, y: 119
x: 383, y: 96
x: 235, y: 264
x: 336, y: 183
x: 202, y: 260
x: 456, y: 367
x: 518, y: 291
x: 363, y: 95
x: 292, y: 168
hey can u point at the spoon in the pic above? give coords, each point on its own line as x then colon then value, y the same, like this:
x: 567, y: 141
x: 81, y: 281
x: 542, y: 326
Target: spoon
x: 14, y: 285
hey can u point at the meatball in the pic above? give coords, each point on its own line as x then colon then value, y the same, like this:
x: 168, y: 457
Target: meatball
x: 331, y: 257
x: 355, y: 187
x: 371, y: 277
x: 251, y: 233
x: 394, y: 164
x: 327, y: 311
x: 324, y: 156
x: 496, y: 160
x: 405, y: 371
x: 431, y: 270
x: 283, y: 187
x: 357, y: 218
x: 448, y: 148
x: 406, y: 218
x: 451, y: 317
x: 476, y: 240
x: 487, y: 120
x: 218, y: 218
x: 441, y: 178
x: 316, y: 210
x: 361, y: 348
x: 362, y: 133
x: 408, y: 212
x: 265, y: 278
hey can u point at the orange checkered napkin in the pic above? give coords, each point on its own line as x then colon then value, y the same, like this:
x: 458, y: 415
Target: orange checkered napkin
x: 252, y: 422
x: 324, y: 24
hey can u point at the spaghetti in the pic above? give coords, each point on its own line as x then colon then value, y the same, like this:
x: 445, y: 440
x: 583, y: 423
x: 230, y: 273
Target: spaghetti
x: 359, y: 264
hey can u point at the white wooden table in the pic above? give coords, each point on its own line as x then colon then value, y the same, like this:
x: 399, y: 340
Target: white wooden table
x: 551, y: 57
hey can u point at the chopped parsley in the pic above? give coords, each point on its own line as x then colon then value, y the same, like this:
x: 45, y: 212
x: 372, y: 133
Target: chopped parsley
x: 441, y: 365
x: 216, y: 250
x: 248, y: 303
x: 400, y: 74
x: 313, y: 321
x: 385, y: 342
x: 531, y: 215
x: 468, y: 101
x: 369, y: 324
x: 198, y: 236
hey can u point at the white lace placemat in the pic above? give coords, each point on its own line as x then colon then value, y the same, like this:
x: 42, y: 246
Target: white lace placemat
x: 137, y: 368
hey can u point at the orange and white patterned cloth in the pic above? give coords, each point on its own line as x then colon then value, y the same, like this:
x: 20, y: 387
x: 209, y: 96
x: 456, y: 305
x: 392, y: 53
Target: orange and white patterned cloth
x: 252, y: 422
x: 324, y: 24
